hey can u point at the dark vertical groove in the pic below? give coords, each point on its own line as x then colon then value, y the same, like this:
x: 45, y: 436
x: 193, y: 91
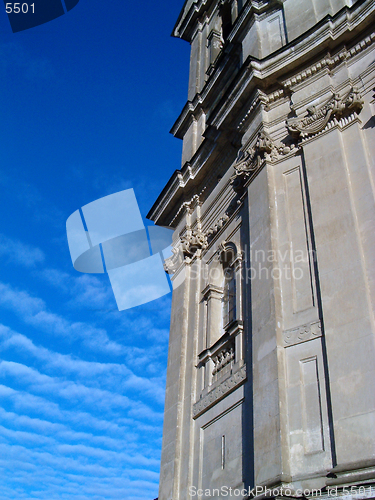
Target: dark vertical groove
x: 285, y: 27
x: 320, y: 311
x: 248, y: 465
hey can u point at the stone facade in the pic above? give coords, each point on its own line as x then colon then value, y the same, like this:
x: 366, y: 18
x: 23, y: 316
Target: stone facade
x: 271, y: 367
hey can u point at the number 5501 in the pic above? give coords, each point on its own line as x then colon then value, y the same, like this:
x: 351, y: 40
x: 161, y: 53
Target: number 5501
x: 18, y: 7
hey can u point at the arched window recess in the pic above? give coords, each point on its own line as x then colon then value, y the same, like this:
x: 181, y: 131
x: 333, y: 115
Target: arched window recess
x: 222, y: 352
x: 231, y: 260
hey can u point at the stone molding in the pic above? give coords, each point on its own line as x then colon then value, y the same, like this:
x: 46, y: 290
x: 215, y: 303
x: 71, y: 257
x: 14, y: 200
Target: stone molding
x: 302, y: 333
x: 221, y: 222
x: 188, y: 206
x: 278, y: 68
x: 318, y: 116
x: 250, y: 161
x: 329, y: 62
x: 233, y: 329
x: 260, y: 98
x: 219, y: 392
x: 265, y: 148
x: 359, y: 472
x: 223, y: 358
x: 226, y: 247
x: 212, y: 292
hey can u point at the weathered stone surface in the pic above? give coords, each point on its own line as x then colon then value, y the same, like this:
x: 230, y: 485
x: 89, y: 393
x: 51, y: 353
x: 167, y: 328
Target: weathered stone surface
x: 274, y: 217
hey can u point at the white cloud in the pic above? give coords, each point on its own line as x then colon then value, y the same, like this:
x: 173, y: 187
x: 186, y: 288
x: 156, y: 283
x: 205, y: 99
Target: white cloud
x: 86, y: 290
x: 71, y: 427
x: 20, y: 253
x: 55, y: 387
x: 33, y: 311
x: 110, y: 375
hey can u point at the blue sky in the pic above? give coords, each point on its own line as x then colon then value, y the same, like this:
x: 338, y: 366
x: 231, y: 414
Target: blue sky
x: 87, y: 101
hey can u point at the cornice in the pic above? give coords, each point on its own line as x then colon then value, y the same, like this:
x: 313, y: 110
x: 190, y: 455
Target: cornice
x: 308, y: 45
x: 329, y: 62
x: 193, y: 10
x: 215, y: 87
x: 189, y: 14
x: 187, y: 115
x: 257, y: 75
x: 273, y: 70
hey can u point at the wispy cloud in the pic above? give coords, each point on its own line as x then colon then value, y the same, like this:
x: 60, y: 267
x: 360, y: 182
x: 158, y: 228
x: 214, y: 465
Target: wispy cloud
x: 85, y: 426
x: 84, y: 290
x: 77, y: 472
x: 54, y: 452
x: 58, y: 388
x: 20, y: 253
x: 114, y: 377
x: 33, y: 311
x: 103, y: 374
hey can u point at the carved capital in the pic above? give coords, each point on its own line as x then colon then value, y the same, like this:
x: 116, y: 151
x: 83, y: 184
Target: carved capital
x: 250, y: 161
x: 192, y: 242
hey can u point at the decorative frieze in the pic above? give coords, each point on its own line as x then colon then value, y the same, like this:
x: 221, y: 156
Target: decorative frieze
x: 302, y: 333
x: 318, y: 116
x: 219, y: 392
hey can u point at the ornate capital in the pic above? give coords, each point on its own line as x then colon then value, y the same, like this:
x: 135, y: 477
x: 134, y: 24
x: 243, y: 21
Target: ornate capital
x: 250, y: 161
x: 193, y: 241
x: 318, y: 116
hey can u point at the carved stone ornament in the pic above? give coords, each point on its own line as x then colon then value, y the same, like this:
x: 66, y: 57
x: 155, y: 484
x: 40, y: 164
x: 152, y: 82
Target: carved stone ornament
x: 219, y: 392
x: 318, y: 116
x: 193, y: 241
x: 302, y: 333
x: 173, y: 263
x: 250, y: 161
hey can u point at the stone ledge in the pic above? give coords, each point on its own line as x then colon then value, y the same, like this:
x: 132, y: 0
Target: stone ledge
x: 219, y: 392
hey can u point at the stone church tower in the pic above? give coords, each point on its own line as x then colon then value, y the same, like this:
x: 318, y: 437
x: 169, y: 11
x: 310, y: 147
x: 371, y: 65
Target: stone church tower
x: 271, y: 369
